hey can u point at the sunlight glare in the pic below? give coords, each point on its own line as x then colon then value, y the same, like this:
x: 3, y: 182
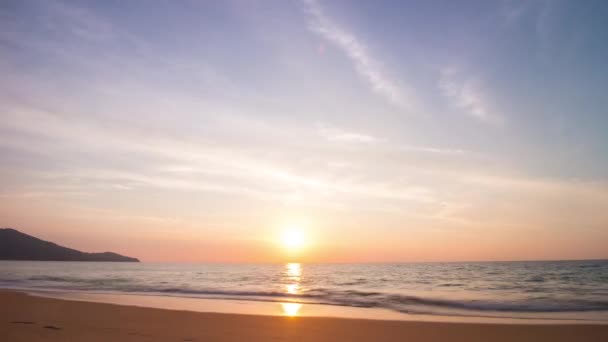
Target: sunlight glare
x: 292, y: 288
x: 291, y: 309
x: 294, y: 270
x: 293, y: 239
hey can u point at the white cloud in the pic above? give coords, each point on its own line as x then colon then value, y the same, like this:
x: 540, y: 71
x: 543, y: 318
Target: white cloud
x: 466, y: 93
x: 365, y: 65
x: 336, y: 134
x: 430, y: 149
x: 187, y: 166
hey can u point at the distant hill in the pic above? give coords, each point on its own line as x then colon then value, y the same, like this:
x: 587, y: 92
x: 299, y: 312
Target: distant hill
x: 15, y: 245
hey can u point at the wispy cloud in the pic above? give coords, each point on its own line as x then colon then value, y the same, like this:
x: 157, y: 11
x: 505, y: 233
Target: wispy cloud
x: 336, y: 134
x: 430, y: 149
x: 511, y: 12
x: 202, y: 167
x: 365, y: 64
x: 466, y: 93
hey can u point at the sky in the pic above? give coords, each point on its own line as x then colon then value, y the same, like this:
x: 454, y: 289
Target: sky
x: 386, y: 131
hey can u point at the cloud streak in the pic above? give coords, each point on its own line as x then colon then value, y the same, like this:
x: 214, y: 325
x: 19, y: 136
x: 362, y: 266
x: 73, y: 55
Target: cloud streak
x: 466, y: 94
x: 364, y: 63
x: 336, y: 134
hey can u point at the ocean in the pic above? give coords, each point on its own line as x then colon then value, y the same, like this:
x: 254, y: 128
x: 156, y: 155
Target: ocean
x: 576, y: 290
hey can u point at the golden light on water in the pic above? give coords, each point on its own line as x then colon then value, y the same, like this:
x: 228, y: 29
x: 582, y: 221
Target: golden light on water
x: 293, y: 275
x: 292, y: 288
x: 294, y: 270
x: 291, y: 309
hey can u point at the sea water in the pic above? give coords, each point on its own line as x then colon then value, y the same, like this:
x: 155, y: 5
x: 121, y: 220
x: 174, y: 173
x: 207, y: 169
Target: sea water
x: 536, y: 289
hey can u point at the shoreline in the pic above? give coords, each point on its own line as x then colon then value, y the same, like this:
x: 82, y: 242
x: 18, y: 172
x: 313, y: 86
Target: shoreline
x: 28, y: 318
x: 534, y: 293
x: 288, y: 308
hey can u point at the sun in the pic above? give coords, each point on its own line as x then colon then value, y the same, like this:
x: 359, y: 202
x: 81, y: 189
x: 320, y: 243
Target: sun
x: 293, y: 238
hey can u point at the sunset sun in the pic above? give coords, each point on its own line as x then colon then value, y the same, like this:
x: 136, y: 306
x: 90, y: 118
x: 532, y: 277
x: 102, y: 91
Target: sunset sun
x: 293, y: 238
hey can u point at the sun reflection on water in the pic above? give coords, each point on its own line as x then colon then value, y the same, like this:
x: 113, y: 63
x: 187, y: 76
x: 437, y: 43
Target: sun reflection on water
x: 291, y: 309
x: 294, y: 270
x: 292, y: 288
x: 293, y: 275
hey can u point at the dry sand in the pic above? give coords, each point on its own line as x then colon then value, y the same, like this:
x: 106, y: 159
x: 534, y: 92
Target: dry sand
x: 31, y: 319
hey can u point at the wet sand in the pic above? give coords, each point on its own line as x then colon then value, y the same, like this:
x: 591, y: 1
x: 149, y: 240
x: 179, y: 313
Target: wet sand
x: 28, y: 318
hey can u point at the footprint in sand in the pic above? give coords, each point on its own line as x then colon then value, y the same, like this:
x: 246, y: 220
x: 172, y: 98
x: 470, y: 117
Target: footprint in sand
x: 52, y: 327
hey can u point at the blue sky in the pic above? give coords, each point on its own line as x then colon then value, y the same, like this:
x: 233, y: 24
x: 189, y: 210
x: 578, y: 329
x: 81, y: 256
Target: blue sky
x: 400, y: 123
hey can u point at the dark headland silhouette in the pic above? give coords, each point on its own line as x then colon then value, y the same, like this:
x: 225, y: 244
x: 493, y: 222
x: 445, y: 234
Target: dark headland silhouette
x: 15, y: 245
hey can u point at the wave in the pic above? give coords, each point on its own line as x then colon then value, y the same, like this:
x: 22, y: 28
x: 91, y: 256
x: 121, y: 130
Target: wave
x: 79, y: 280
x: 367, y: 299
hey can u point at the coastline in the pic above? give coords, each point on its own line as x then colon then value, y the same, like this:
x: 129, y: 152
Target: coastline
x: 25, y: 317
x: 291, y: 308
x: 530, y: 293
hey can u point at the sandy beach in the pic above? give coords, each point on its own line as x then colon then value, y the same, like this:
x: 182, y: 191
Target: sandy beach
x: 28, y: 318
